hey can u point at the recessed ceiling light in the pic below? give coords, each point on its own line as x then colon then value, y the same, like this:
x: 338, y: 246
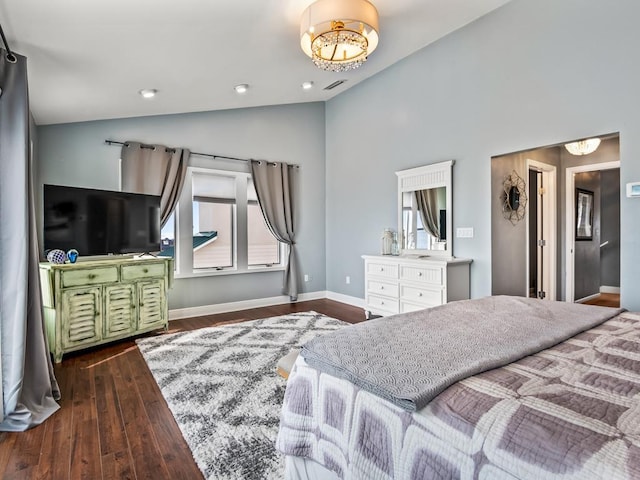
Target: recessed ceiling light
x: 307, y: 85
x: 148, y: 92
x: 242, y: 88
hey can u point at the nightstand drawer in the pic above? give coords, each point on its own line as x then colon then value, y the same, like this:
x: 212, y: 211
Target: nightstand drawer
x: 376, y: 302
x: 387, y: 270
x: 432, y: 275
x: 88, y: 276
x: 429, y: 297
x: 382, y: 288
x: 146, y: 270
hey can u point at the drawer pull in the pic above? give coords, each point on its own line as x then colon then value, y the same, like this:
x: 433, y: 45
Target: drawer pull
x: 420, y: 294
x: 381, y: 302
x: 145, y: 270
x: 419, y: 274
x: 382, y: 269
x: 381, y: 287
x: 92, y: 276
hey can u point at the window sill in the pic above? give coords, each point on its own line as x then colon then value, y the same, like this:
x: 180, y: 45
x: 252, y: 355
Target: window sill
x: 217, y: 273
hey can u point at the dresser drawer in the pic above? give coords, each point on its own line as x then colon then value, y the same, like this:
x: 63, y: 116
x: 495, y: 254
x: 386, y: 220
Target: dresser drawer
x: 406, y: 307
x: 376, y: 302
x: 89, y: 276
x: 429, y: 297
x: 431, y: 275
x: 383, y: 288
x: 380, y: 269
x: 146, y: 270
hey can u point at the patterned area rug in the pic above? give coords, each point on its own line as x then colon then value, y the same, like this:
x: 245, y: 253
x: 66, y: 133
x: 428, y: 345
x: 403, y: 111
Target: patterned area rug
x: 222, y: 387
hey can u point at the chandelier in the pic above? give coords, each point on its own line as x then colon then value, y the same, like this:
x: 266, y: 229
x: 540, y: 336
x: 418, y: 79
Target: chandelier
x: 338, y: 35
x: 583, y: 147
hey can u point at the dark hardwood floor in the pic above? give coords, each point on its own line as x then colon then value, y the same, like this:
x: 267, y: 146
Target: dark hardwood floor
x: 605, y: 300
x: 113, y: 422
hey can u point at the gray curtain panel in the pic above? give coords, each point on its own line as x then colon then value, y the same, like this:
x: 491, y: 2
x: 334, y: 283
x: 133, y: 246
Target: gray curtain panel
x: 428, y: 208
x: 29, y: 388
x: 154, y: 170
x: 276, y: 184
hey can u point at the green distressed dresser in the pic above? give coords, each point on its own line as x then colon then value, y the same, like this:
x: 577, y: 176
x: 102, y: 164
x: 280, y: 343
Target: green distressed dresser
x: 94, y: 302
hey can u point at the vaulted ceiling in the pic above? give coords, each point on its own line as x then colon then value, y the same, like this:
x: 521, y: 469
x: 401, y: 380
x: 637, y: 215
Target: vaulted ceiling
x: 88, y: 59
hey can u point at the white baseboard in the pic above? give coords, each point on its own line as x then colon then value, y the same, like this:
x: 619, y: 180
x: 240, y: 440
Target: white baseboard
x: 586, y: 299
x: 606, y: 289
x: 189, y: 312
x: 349, y: 300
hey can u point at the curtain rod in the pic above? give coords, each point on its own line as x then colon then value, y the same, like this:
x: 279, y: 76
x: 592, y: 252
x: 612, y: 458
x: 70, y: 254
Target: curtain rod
x: 10, y: 56
x: 113, y: 142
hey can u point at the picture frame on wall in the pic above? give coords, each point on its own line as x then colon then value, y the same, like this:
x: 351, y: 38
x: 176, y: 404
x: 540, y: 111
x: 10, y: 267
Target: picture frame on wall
x: 584, y: 214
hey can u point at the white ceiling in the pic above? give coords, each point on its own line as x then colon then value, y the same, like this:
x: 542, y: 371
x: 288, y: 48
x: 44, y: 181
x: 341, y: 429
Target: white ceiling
x: 87, y: 59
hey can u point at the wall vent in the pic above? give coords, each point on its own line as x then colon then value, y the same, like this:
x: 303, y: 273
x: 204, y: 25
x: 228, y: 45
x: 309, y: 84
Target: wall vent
x: 335, y: 84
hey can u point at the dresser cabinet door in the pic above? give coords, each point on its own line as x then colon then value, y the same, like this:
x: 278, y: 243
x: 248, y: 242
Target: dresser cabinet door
x: 151, y: 298
x: 120, y: 310
x: 81, y: 316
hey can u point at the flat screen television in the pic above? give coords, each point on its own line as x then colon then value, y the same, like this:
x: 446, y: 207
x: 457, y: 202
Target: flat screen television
x: 100, y: 222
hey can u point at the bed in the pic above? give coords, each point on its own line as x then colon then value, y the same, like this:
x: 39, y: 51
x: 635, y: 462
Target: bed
x: 564, y: 406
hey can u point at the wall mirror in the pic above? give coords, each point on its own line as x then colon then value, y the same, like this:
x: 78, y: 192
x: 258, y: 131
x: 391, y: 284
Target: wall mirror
x: 425, y: 226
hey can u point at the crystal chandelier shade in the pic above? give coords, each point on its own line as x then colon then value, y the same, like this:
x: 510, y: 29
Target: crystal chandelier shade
x: 338, y: 35
x: 583, y: 147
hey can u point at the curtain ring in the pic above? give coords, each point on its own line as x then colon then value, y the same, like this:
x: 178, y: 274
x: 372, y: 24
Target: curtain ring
x: 11, y: 58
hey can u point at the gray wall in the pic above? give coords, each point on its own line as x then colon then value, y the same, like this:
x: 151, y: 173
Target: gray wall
x: 610, y: 228
x: 534, y: 72
x: 75, y: 154
x: 587, y: 252
x: 509, y: 241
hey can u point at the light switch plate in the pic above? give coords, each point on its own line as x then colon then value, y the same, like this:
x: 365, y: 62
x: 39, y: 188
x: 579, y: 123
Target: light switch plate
x: 464, y: 232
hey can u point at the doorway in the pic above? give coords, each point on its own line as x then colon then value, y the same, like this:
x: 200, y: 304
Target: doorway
x: 542, y: 230
x: 593, y: 255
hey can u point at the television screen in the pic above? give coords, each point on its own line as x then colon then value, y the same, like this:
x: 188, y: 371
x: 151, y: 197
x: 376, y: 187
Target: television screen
x: 100, y: 222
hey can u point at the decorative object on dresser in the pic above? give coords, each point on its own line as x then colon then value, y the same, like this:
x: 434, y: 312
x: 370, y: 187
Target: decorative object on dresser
x: 94, y: 302
x: 403, y: 284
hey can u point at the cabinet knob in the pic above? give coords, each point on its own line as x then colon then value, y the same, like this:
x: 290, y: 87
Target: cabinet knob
x: 420, y: 294
x: 381, y: 287
x: 381, y: 302
x: 145, y: 270
x: 382, y: 269
x: 92, y: 276
x: 419, y: 274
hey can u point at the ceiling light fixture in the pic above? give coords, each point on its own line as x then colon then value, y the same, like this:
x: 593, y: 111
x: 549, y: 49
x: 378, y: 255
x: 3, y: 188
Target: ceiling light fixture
x: 338, y: 35
x: 148, y: 92
x: 307, y: 85
x: 583, y: 147
x: 242, y: 88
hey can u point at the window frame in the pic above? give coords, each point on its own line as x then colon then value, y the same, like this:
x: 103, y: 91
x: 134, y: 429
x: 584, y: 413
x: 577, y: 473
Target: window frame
x: 183, y: 235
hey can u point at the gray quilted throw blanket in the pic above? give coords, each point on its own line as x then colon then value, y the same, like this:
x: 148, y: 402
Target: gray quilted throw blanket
x: 410, y: 358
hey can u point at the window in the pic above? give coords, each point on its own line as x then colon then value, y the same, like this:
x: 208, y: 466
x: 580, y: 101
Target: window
x: 218, y: 226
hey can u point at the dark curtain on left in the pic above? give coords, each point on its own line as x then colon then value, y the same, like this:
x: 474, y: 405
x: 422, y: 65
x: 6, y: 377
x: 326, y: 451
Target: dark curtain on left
x: 29, y: 388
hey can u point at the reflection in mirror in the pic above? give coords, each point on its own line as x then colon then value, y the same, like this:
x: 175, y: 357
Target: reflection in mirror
x: 424, y: 210
x: 424, y: 219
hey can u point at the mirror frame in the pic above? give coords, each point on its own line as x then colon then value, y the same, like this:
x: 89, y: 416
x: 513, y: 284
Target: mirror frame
x: 421, y: 178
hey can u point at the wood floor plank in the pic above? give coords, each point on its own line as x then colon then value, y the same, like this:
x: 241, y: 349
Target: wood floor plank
x: 114, y: 445
x: 143, y: 445
x: 56, y: 449
x: 7, y: 440
x: 85, y: 459
x: 25, y: 455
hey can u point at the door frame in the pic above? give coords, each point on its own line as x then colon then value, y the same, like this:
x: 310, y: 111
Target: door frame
x: 570, y: 208
x: 550, y: 224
